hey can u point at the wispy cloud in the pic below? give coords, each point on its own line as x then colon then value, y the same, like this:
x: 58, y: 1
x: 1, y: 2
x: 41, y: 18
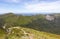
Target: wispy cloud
x: 44, y: 7
x: 18, y: 1
x: 36, y: 6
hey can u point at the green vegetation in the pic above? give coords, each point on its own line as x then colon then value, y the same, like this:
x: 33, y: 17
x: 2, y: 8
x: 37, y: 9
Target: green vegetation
x: 36, y: 27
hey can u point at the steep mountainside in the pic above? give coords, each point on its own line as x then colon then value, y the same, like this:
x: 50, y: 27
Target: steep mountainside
x: 36, y: 26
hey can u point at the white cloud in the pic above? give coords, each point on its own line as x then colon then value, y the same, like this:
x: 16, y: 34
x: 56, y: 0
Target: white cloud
x: 32, y: 7
x: 4, y: 11
x: 44, y: 7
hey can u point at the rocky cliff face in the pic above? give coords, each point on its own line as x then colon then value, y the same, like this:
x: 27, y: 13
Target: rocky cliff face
x: 55, y: 18
x: 50, y: 17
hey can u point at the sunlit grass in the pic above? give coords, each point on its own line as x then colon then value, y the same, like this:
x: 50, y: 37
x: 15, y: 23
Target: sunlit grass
x: 35, y: 34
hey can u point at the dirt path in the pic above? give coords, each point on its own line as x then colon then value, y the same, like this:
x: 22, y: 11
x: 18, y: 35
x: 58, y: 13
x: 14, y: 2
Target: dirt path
x: 30, y: 35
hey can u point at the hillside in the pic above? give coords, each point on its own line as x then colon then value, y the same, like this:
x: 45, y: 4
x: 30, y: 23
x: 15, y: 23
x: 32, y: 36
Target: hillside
x: 36, y: 26
x: 26, y: 33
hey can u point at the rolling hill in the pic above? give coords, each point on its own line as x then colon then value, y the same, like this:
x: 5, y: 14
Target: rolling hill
x: 36, y: 26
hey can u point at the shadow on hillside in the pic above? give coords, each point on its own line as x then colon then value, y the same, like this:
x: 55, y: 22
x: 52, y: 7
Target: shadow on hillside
x: 43, y: 25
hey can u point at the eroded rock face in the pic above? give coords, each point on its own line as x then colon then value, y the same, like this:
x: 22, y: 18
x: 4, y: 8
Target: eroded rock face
x: 55, y: 18
x: 50, y: 17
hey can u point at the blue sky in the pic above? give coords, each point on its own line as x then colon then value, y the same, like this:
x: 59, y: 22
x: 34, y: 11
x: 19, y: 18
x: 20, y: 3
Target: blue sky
x: 30, y: 6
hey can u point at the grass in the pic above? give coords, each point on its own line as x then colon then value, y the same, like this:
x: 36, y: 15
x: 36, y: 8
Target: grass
x: 2, y: 34
x: 34, y: 34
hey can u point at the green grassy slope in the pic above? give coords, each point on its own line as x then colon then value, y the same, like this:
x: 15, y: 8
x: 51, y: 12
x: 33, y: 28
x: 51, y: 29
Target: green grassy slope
x: 32, y: 34
x: 2, y: 34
